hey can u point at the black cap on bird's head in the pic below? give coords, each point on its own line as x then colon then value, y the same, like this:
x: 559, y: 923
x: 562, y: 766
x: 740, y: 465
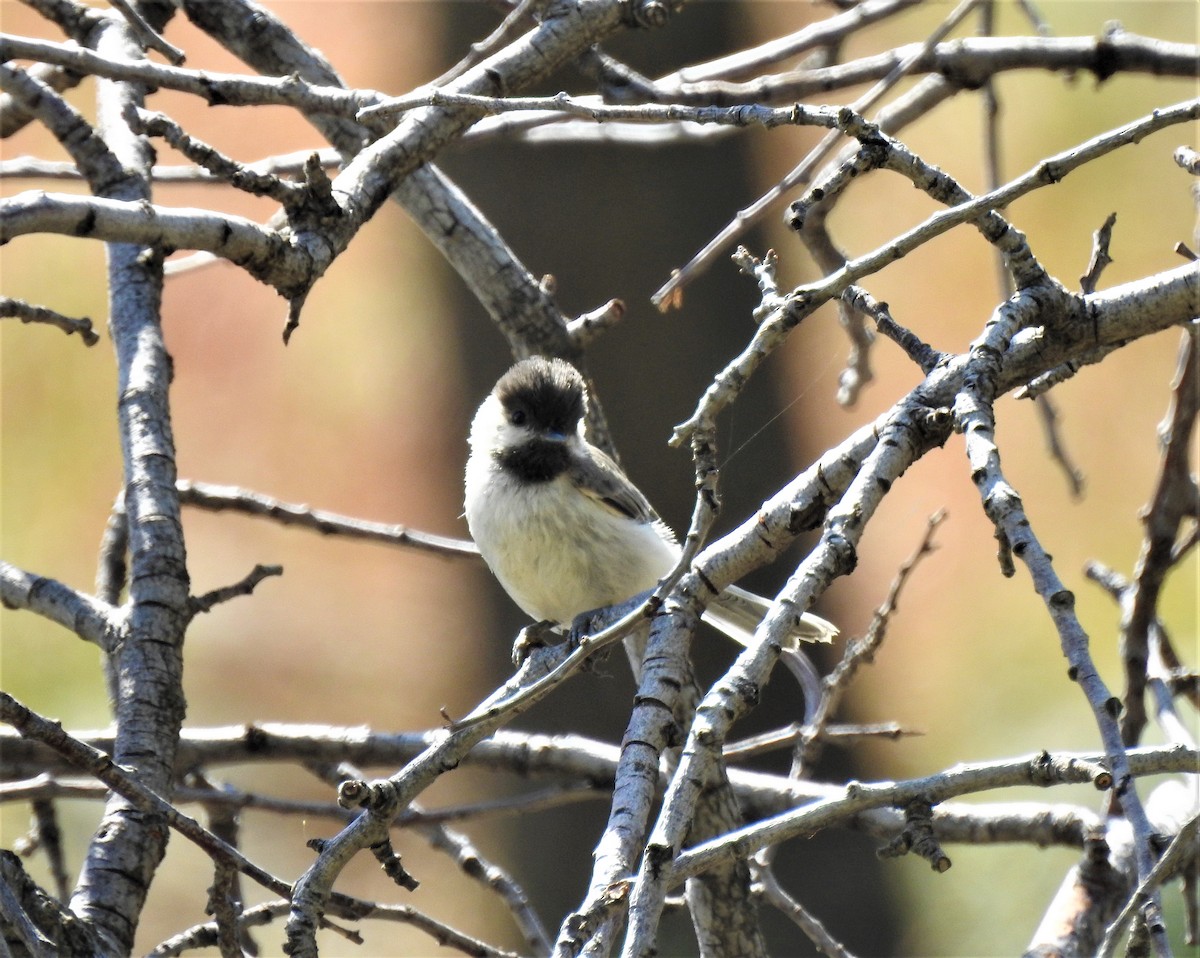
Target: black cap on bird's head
x: 545, y: 395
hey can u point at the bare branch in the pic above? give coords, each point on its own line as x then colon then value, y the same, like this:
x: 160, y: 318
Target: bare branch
x: 523, y: 311
x: 91, y: 154
x: 150, y: 38
x: 29, y: 167
x: 203, y: 495
x: 34, y: 921
x: 957, y: 65
x: 205, y: 603
x: 522, y: 10
x: 809, y: 216
x: 213, y: 87
x: 288, y: 194
x: 748, y: 114
x: 91, y: 620
x: 859, y: 652
x: 148, y: 662
x: 974, y: 417
x: 472, y: 862
x: 205, y: 935
x: 924, y: 355
x: 675, y: 808
x: 28, y: 313
x: 789, y: 735
x: 263, y: 252
x: 97, y: 764
x: 14, y: 117
x: 855, y: 797
x: 829, y: 32
x: 733, y: 694
x: 804, y: 171
x: 101, y: 767
x: 1100, y: 258
x: 967, y: 63
x: 778, y: 896
x: 225, y: 893
x: 72, y: 17
x: 46, y: 836
x: 1054, y: 444
x: 389, y: 797
x: 570, y: 756
x: 1174, y: 500
x: 806, y: 298
x: 1181, y: 849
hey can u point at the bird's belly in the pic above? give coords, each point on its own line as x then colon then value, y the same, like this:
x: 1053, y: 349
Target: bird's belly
x: 558, y: 553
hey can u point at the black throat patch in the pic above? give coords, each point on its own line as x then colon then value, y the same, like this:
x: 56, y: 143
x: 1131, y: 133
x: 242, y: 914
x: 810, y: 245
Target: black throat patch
x: 538, y: 460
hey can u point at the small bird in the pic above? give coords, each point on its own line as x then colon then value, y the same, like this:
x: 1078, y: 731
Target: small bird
x: 560, y: 524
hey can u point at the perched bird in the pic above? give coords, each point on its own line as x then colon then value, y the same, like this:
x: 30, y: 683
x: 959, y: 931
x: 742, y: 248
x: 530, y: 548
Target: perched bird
x: 560, y: 524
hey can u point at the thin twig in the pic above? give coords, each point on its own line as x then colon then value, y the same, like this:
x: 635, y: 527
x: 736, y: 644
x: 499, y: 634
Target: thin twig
x: 282, y: 165
x: 204, y: 495
x: 1100, y: 257
x: 920, y: 352
x: 28, y: 313
x: 991, y: 141
x: 46, y: 836
x: 776, y: 895
x: 246, y: 586
x: 211, y: 86
x: 1182, y: 848
x: 474, y: 864
x: 829, y: 32
x: 744, y: 219
x: 979, y: 210
x: 852, y: 799
x: 789, y: 735
x: 975, y: 417
x: 478, y: 51
x: 748, y: 114
x: 288, y: 194
x: 101, y: 767
x: 150, y: 38
x: 1174, y: 500
x: 859, y: 652
x: 205, y: 935
x: 1048, y: 414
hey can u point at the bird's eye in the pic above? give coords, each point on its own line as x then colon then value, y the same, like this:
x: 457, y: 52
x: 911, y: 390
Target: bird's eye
x: 517, y: 417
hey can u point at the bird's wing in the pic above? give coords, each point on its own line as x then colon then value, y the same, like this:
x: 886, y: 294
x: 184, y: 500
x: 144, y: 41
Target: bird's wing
x: 598, y: 477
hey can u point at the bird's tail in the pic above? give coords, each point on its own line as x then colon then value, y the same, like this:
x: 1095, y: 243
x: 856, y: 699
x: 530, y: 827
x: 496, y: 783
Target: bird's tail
x: 738, y: 613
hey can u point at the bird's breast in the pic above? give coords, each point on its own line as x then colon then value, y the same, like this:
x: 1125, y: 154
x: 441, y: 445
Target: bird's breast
x: 557, y: 552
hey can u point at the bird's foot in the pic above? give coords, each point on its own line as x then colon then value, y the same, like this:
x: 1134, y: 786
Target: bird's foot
x: 530, y: 639
x: 589, y: 623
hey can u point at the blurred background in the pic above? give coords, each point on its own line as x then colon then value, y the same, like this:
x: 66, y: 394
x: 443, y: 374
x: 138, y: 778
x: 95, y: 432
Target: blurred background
x: 366, y: 413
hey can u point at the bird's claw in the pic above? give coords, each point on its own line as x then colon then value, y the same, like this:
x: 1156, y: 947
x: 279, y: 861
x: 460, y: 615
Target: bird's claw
x: 583, y: 625
x: 529, y: 640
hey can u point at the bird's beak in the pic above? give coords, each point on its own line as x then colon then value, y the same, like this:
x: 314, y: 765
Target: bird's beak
x: 554, y: 436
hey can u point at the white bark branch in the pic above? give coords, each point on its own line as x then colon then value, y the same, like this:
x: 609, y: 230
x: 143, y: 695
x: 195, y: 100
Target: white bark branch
x: 90, y: 619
